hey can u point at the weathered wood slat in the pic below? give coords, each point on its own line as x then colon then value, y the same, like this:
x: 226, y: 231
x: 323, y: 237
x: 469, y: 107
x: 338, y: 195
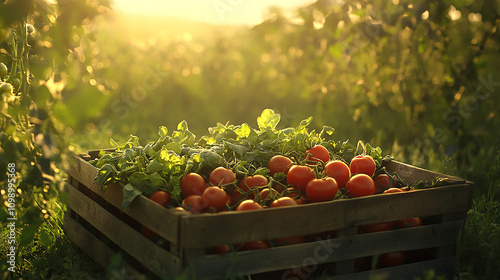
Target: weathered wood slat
x: 153, y: 257
x: 409, y: 173
x: 444, y: 266
x: 339, y: 249
x: 94, y: 247
x: 141, y: 209
x: 212, y: 229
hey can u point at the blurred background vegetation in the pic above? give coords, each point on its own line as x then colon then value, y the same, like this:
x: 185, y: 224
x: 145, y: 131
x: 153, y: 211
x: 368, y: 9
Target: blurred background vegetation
x: 419, y: 79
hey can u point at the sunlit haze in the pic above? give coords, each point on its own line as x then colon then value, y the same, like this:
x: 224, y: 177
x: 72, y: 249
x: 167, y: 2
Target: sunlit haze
x: 212, y: 11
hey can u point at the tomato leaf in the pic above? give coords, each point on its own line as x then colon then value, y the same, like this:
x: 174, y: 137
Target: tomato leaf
x: 154, y: 166
x: 105, y: 174
x: 129, y: 194
x: 157, y: 181
x: 174, y: 146
x: 243, y: 131
x: 268, y: 120
x: 238, y: 149
x: 139, y: 179
x: 163, y: 131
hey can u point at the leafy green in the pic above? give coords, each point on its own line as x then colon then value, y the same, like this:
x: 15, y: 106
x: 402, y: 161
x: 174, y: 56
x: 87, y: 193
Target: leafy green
x: 162, y: 163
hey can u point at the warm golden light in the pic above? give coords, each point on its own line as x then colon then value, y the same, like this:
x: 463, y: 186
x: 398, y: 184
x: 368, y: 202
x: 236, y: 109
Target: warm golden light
x: 211, y: 11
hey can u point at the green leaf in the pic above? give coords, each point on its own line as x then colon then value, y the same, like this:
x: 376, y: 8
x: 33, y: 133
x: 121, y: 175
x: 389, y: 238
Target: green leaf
x: 139, y: 179
x: 45, y: 238
x: 163, y: 131
x: 129, y: 194
x: 327, y: 130
x: 268, y: 120
x: 174, y: 146
x: 113, y: 143
x: 154, y: 166
x: 157, y: 181
x: 304, y: 123
x: 182, y: 126
x: 105, y: 174
x: 238, y: 149
x: 243, y: 131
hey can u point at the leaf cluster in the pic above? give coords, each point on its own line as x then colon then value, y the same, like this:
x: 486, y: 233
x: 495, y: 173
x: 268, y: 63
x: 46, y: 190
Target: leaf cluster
x: 161, y: 164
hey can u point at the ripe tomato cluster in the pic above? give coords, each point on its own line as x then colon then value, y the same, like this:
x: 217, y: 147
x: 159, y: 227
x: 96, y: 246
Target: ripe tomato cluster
x: 312, y: 178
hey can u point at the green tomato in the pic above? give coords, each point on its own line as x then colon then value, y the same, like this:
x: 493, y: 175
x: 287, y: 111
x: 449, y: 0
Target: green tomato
x: 16, y: 83
x: 6, y: 88
x: 3, y: 70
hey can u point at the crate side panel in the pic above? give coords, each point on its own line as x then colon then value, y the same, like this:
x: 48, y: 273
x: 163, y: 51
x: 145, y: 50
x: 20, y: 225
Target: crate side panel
x: 410, y: 173
x: 141, y: 209
x: 339, y: 249
x: 153, y: 257
x: 93, y: 247
x: 445, y: 266
x: 216, y: 229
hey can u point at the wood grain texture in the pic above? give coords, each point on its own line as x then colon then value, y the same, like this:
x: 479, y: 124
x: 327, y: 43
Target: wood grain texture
x: 141, y: 209
x: 341, y: 249
x: 156, y: 259
x: 95, y: 248
x: 233, y: 227
x: 444, y: 266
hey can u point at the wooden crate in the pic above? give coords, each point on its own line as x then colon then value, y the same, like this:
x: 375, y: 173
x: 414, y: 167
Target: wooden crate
x: 94, y: 215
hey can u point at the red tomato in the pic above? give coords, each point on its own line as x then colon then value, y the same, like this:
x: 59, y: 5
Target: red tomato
x: 393, y: 190
x: 192, y: 183
x: 220, y: 249
x: 251, y: 182
x: 391, y: 259
x: 194, y: 203
x: 318, y: 153
x: 253, y: 245
x: 411, y: 222
x: 283, y: 201
x: 181, y: 209
x: 318, y: 190
x: 299, y: 176
x: 363, y: 164
x: 247, y: 205
x: 216, y: 197
x: 279, y: 164
x: 222, y: 176
x: 264, y: 194
x: 161, y: 197
x: 339, y: 171
x: 384, y: 182
x: 360, y: 185
x: 384, y: 226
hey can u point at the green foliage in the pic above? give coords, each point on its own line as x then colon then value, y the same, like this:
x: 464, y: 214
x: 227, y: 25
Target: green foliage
x: 480, y: 247
x: 31, y: 138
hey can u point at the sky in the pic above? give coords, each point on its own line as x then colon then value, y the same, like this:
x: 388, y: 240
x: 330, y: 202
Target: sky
x: 236, y: 12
